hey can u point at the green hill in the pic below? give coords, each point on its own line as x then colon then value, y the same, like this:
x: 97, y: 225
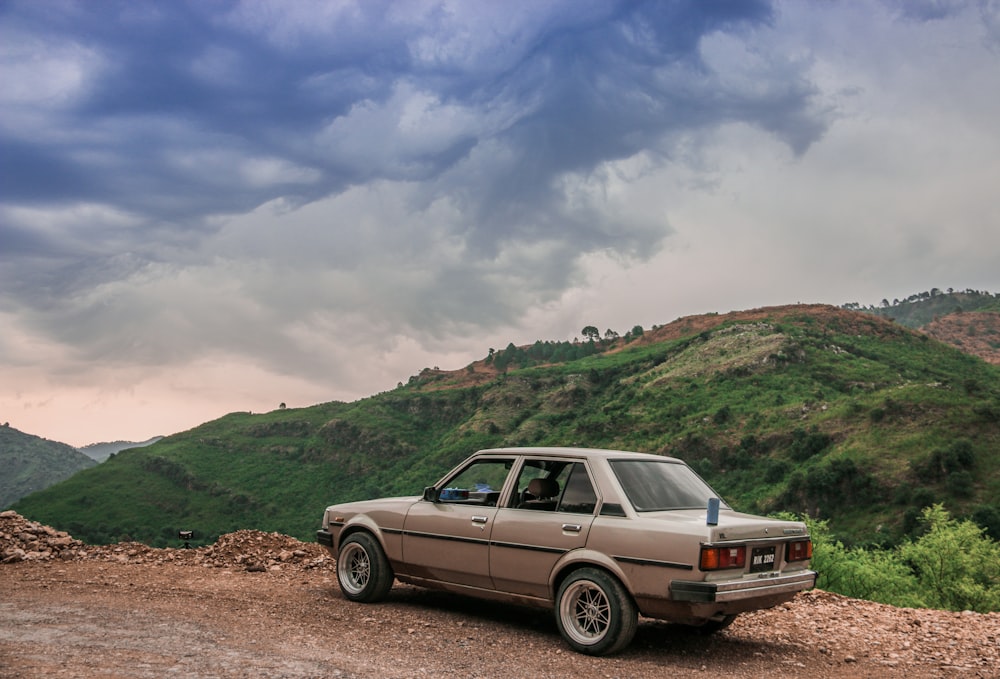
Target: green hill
x: 848, y: 416
x: 30, y: 463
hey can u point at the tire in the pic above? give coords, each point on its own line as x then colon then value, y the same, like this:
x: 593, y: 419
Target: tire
x: 713, y: 626
x: 363, y: 571
x: 595, y: 614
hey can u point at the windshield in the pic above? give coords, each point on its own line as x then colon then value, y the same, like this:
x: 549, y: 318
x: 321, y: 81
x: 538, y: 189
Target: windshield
x: 655, y: 486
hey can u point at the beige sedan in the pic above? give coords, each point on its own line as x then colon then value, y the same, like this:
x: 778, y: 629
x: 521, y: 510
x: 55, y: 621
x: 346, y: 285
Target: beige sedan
x: 599, y: 536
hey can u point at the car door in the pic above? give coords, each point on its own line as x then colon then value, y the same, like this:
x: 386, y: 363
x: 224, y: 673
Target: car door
x: 448, y: 539
x: 531, y: 534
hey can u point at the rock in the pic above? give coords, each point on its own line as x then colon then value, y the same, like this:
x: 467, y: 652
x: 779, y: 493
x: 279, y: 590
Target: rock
x: 13, y: 555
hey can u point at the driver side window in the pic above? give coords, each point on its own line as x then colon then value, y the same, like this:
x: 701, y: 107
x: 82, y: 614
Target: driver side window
x: 478, y: 484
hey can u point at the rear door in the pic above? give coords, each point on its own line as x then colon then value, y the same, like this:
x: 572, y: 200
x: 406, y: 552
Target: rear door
x: 531, y: 534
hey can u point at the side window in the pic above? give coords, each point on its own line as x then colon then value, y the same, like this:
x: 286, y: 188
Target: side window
x: 540, y: 485
x: 579, y: 496
x: 478, y: 484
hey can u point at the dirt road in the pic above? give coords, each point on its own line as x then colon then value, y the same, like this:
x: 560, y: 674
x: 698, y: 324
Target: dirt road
x: 264, y: 605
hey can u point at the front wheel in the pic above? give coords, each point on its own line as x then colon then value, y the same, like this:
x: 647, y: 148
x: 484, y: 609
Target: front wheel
x: 363, y: 571
x: 594, y: 612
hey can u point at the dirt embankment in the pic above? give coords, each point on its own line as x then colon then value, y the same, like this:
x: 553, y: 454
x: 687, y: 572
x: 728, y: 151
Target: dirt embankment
x: 265, y: 605
x: 976, y: 333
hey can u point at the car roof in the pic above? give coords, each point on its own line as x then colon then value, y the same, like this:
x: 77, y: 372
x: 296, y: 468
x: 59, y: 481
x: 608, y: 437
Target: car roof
x: 589, y: 453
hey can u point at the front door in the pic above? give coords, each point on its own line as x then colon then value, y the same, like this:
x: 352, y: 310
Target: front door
x: 449, y: 540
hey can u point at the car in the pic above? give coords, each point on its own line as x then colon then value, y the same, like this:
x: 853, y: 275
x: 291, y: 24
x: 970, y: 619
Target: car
x: 598, y: 536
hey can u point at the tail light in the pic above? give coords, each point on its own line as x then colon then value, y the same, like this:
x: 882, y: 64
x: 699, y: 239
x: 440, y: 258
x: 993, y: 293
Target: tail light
x: 716, y: 558
x: 800, y: 550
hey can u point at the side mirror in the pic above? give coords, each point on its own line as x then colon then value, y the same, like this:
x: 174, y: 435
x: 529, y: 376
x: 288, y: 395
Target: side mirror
x: 431, y: 494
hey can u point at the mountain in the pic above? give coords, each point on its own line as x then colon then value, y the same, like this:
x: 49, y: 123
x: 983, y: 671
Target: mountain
x: 969, y: 320
x: 850, y: 417
x: 102, y: 451
x: 30, y: 463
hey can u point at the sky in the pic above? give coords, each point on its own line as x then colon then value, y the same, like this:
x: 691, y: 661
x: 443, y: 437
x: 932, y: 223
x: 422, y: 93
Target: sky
x: 217, y: 206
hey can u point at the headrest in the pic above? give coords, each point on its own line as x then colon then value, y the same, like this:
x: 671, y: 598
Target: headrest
x: 543, y: 487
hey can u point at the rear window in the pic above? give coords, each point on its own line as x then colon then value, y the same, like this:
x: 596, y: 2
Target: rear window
x: 656, y: 486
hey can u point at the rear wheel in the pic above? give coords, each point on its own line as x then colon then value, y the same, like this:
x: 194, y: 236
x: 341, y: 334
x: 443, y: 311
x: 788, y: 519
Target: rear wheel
x: 594, y: 612
x: 363, y: 571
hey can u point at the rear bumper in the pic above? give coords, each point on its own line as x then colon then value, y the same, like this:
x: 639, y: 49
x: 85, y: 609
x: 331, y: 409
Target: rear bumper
x: 737, y: 590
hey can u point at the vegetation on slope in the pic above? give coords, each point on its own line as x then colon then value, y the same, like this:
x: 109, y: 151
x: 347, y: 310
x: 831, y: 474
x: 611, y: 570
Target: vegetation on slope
x: 854, y: 419
x: 951, y: 565
x: 31, y: 463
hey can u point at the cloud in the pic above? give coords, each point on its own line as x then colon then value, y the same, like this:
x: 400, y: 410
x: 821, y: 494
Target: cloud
x: 506, y: 120
x: 264, y: 184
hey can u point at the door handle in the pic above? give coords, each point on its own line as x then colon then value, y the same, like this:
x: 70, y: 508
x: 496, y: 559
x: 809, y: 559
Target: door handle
x: 572, y: 527
x: 479, y: 519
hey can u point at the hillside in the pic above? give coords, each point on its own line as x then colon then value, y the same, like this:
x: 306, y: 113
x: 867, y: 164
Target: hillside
x: 968, y: 320
x: 30, y: 463
x: 848, y: 416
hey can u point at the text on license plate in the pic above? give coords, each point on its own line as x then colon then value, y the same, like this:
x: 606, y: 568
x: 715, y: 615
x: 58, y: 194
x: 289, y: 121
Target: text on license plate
x: 762, y: 559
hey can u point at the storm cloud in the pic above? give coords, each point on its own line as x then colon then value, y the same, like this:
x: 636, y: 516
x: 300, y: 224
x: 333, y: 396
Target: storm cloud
x: 310, y: 188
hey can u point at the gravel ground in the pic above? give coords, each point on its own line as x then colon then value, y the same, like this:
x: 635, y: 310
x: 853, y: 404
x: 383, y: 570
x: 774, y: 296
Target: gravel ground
x: 265, y: 605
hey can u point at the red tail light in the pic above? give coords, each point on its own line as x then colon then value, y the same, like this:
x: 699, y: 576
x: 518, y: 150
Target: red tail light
x: 716, y: 558
x: 799, y: 550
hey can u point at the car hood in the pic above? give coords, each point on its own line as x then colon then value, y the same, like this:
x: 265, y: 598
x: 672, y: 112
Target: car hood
x: 367, y: 506
x: 732, y: 525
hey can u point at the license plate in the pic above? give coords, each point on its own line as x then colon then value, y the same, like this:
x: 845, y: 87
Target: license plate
x: 762, y: 559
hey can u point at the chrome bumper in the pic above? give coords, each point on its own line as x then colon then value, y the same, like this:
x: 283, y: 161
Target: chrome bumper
x: 735, y: 590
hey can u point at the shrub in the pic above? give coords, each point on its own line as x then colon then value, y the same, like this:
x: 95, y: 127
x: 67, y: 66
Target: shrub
x: 875, y: 575
x: 776, y: 470
x: 960, y: 484
x: 988, y: 516
x: 956, y: 564
x: 806, y: 445
x: 722, y: 415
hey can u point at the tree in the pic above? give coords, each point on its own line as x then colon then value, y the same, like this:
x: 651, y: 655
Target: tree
x: 955, y: 562
x: 591, y: 333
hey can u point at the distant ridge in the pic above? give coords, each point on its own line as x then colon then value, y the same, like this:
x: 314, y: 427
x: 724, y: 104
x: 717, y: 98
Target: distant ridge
x: 102, y: 451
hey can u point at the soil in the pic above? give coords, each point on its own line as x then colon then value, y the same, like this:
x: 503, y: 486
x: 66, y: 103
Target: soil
x: 265, y: 605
